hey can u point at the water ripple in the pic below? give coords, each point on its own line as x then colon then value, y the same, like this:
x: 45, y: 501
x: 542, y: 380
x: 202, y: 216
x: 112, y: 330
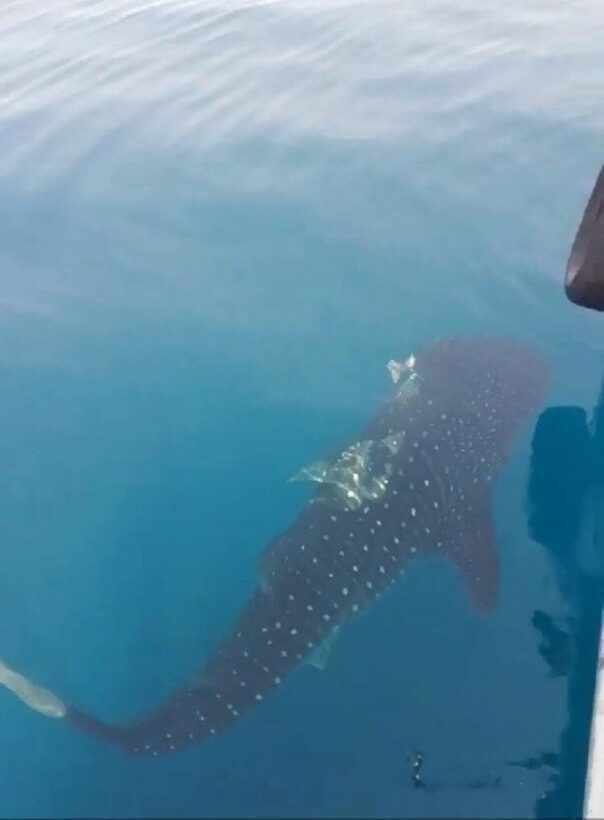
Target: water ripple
x: 219, y: 219
x: 393, y: 127
x: 201, y: 72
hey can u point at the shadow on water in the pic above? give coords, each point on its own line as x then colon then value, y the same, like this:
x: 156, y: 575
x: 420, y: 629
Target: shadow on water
x: 565, y: 515
x: 564, y: 497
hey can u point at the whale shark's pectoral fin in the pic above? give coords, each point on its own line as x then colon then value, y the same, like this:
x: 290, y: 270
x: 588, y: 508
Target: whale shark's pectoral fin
x: 470, y: 545
x: 320, y: 655
x: 32, y: 695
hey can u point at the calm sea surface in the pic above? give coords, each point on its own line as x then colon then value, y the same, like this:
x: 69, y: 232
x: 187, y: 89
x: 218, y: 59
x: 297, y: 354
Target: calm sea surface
x: 218, y: 222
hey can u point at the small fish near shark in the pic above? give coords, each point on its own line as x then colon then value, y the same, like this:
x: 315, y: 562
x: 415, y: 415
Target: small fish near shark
x: 416, y: 482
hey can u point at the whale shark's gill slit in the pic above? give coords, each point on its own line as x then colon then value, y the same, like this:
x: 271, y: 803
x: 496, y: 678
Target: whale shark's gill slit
x: 419, y: 477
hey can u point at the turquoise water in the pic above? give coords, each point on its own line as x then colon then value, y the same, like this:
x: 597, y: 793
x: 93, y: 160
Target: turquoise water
x: 218, y: 222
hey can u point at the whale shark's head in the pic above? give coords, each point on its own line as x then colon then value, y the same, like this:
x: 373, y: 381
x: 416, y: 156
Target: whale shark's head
x: 497, y: 381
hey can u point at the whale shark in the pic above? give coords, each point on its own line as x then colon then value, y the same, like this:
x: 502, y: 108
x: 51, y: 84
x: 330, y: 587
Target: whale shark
x: 417, y: 481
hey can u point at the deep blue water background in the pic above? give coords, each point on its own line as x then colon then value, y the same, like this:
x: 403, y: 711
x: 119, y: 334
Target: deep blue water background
x: 218, y: 221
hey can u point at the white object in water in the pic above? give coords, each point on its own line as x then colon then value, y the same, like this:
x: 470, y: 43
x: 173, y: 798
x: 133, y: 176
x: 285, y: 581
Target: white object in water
x: 593, y: 804
x: 34, y: 696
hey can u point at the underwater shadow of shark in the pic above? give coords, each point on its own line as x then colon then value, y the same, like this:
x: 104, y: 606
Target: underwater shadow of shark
x: 417, y: 481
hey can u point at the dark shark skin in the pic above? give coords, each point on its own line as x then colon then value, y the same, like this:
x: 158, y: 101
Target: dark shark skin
x: 416, y: 482
x: 584, y: 282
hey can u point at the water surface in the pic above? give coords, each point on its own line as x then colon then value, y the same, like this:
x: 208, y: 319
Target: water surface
x: 218, y: 222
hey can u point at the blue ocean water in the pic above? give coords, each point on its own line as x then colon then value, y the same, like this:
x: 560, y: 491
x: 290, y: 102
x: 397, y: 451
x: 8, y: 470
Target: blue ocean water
x: 218, y: 222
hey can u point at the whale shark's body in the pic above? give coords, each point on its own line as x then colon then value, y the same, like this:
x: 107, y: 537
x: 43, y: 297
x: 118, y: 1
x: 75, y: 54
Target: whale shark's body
x: 415, y: 482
